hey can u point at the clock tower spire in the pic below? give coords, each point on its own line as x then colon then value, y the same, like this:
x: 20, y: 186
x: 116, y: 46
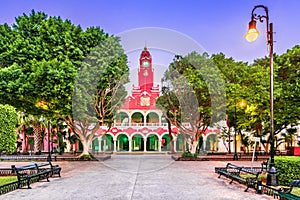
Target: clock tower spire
x: 145, y: 74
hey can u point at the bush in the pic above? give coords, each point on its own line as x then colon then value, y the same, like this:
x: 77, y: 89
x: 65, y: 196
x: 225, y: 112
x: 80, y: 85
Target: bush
x: 87, y: 157
x: 287, y: 168
x: 8, y: 135
x: 189, y: 155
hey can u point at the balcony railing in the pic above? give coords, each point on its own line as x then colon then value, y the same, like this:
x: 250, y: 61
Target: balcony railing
x: 140, y: 124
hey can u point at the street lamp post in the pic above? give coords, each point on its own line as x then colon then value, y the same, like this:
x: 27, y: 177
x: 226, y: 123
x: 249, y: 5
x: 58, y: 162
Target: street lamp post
x: 241, y: 104
x: 235, y: 156
x: 251, y: 35
x: 49, y: 152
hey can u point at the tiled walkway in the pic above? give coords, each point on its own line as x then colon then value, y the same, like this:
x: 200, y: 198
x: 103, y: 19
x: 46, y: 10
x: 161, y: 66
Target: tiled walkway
x: 152, y: 177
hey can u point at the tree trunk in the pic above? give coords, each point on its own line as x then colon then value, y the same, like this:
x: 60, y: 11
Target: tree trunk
x: 37, y: 139
x: 24, y: 140
x: 86, y: 147
x: 194, y: 146
x: 171, y: 137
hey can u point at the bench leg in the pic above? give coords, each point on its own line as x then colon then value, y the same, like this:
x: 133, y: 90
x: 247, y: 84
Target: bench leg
x: 231, y: 181
x: 47, y: 177
x: 28, y: 183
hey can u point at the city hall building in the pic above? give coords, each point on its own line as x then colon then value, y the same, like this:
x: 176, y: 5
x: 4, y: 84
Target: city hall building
x: 139, y: 125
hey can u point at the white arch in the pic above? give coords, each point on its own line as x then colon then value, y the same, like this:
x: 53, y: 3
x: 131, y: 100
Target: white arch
x: 153, y: 133
x: 135, y: 111
x: 138, y: 133
x: 124, y: 111
x: 211, y: 133
x: 109, y: 133
x: 166, y: 133
x: 158, y: 112
x: 121, y: 133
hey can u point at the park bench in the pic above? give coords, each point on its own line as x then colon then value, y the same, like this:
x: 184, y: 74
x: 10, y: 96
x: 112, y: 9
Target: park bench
x: 285, y: 193
x: 54, y: 169
x: 240, y: 174
x: 30, y: 173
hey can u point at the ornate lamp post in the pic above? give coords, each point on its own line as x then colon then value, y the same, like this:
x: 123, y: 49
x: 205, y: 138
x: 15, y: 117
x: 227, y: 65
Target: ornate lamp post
x: 235, y: 156
x: 49, y: 152
x: 251, y: 35
x: 241, y: 104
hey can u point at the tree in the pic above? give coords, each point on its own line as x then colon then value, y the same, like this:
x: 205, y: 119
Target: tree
x: 193, y: 95
x: 99, y: 91
x: 225, y: 136
x: 8, y: 122
x: 42, y: 61
x: 245, y: 83
x: 286, y: 95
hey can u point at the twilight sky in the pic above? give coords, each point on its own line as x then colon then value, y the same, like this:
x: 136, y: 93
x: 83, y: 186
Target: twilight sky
x: 217, y: 25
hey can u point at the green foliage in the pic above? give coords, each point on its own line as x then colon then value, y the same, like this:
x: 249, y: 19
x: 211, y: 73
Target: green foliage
x: 87, y: 157
x: 40, y: 62
x: 7, y: 179
x: 288, y: 169
x: 99, y: 86
x: 8, y: 122
x: 49, y: 66
x: 193, y: 93
x: 189, y: 155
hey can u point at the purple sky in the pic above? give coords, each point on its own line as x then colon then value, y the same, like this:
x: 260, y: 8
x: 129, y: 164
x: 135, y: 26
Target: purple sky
x: 218, y: 26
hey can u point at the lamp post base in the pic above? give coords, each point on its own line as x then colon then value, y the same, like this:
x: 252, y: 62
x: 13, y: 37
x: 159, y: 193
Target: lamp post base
x: 235, y: 156
x: 272, y: 178
x: 49, y: 158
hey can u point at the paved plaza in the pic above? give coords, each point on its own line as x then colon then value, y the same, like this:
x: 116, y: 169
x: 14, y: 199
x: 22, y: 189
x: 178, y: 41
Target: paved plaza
x: 127, y: 177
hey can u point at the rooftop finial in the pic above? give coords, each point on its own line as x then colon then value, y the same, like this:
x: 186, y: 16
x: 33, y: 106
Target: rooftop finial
x: 145, y: 47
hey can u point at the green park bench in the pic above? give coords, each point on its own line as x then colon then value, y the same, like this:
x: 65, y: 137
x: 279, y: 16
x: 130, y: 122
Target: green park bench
x: 240, y: 174
x: 285, y: 193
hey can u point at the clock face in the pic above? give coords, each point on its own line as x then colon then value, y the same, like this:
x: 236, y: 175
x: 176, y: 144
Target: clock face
x: 145, y: 63
x: 145, y: 101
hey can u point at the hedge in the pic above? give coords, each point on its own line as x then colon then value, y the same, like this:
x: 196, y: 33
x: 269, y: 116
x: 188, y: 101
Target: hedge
x: 287, y: 168
x: 8, y: 135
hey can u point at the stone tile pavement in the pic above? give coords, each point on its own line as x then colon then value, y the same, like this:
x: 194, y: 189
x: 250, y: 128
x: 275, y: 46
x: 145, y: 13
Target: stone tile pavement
x: 126, y: 177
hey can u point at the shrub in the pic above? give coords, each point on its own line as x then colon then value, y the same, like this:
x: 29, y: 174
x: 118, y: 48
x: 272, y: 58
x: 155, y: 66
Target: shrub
x: 189, y: 155
x: 287, y: 168
x: 87, y: 157
x: 8, y: 136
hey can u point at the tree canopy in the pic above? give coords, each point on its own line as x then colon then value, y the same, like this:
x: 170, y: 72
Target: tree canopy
x: 52, y: 68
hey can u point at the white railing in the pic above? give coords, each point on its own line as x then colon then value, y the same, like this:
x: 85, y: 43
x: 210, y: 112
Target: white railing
x: 140, y: 124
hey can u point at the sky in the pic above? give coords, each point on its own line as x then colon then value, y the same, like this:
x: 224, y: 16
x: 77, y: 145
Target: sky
x: 215, y: 25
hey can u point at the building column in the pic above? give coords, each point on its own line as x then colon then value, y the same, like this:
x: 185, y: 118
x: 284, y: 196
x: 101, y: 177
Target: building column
x: 130, y: 144
x: 145, y: 144
x: 115, y: 145
x: 159, y: 145
x: 104, y: 145
x: 174, y: 144
x: 204, y: 144
x: 129, y: 120
x: 159, y: 118
x: 100, y: 143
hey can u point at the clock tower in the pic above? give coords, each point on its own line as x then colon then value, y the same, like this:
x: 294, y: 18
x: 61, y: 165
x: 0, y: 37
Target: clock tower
x: 145, y: 74
x: 143, y: 95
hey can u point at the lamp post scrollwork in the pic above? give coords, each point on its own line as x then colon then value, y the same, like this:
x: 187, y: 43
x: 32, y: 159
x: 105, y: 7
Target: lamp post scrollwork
x: 252, y: 35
